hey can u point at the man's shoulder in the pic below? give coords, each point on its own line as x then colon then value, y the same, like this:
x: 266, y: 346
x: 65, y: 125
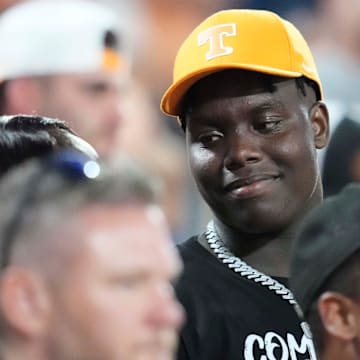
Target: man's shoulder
x: 199, y: 265
x: 189, y: 248
x: 195, y: 257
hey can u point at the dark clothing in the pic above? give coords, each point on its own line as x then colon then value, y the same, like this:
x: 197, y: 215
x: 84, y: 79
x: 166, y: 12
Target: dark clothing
x: 233, y: 318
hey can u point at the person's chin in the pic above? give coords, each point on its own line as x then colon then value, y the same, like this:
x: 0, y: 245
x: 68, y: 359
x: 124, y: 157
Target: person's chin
x: 155, y: 351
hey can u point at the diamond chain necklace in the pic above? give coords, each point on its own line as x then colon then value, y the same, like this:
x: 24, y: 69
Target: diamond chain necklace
x: 241, y: 267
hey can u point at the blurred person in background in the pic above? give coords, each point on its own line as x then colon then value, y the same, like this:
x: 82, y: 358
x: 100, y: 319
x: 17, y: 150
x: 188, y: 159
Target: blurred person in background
x: 80, y: 277
x: 66, y: 59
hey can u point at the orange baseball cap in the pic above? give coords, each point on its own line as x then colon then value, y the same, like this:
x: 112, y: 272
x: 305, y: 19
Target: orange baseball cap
x: 255, y: 40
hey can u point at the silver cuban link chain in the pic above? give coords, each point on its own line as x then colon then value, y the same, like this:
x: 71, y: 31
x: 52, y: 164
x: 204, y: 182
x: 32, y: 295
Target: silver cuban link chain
x: 241, y: 267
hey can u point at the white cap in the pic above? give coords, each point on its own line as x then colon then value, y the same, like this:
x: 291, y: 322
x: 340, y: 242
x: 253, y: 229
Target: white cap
x: 44, y: 37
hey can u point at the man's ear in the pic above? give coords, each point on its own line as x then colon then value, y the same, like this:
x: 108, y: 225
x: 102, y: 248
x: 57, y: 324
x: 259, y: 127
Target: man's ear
x: 339, y: 315
x: 319, y: 117
x: 24, y: 302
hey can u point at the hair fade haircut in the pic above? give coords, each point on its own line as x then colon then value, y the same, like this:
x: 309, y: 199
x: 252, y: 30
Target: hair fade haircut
x: 30, y: 191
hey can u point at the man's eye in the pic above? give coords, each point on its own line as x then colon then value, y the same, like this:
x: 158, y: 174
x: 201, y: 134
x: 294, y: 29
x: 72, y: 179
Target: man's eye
x: 269, y: 125
x: 209, y: 138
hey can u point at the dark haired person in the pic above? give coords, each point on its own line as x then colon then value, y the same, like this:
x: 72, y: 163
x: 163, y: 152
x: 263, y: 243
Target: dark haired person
x: 25, y: 136
x: 249, y: 98
x: 325, y: 274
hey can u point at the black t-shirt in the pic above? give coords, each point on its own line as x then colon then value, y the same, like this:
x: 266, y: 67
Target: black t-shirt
x: 232, y: 318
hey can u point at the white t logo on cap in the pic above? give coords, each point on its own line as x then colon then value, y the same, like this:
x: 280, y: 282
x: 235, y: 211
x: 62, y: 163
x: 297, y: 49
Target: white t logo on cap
x: 215, y: 36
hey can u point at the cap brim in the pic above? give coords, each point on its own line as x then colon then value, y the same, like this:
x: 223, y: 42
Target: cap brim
x: 173, y: 97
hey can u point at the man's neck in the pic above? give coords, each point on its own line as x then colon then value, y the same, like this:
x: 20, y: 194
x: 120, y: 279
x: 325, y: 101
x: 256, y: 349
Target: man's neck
x: 267, y: 253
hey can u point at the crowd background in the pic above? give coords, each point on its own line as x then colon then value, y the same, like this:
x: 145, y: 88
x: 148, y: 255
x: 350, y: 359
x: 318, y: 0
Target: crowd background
x: 156, y: 28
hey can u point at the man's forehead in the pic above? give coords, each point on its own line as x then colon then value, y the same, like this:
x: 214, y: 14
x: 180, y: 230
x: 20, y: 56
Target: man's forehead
x: 237, y: 83
x: 239, y: 79
x: 130, y: 223
x: 118, y: 242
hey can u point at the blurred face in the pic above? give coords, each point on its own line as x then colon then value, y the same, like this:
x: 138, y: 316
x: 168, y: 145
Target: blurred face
x: 90, y: 103
x: 115, y: 298
x: 252, y: 149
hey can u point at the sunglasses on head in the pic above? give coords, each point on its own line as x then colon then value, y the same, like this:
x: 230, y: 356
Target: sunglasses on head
x: 72, y: 166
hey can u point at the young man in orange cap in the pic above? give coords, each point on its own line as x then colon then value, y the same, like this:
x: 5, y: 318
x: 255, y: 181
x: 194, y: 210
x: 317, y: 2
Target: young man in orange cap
x: 248, y: 96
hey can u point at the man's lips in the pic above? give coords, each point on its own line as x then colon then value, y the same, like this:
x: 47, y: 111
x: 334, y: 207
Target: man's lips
x: 249, y: 180
x: 251, y: 186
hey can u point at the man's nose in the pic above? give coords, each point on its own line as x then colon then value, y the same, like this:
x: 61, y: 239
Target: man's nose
x: 242, y: 149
